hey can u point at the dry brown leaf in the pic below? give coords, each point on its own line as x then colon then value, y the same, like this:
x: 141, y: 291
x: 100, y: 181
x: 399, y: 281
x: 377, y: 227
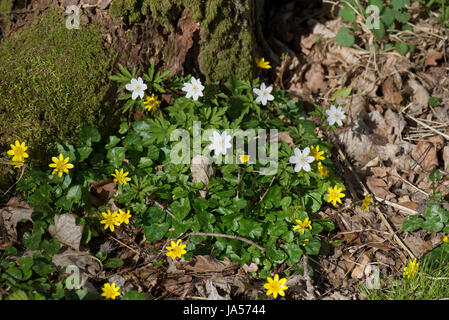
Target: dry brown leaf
x: 432, y: 57
x: 409, y: 204
x: 358, y: 271
x: 202, y: 171
x: 251, y: 268
x: 420, y: 96
x: 437, y: 141
x: 209, y: 264
x: 284, y: 136
x: 10, y: 215
x: 67, y: 231
x: 315, y: 78
x: 426, y: 155
x: 391, y: 94
x: 378, y: 187
x: 446, y: 157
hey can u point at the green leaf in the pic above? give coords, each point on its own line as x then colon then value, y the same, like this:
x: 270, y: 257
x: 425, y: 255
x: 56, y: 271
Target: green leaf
x: 399, y: 4
x: 344, y: 37
x: 250, y: 228
x: 347, y: 13
x: 84, y: 152
x: 88, y: 134
x: 32, y: 241
x: 155, y: 231
x: 294, y: 253
x: 43, y: 268
x: 112, y: 142
x: 433, y: 224
x: 434, y: 102
x: 401, y: 48
x: 402, y: 17
x: 124, y: 71
x: 387, y: 16
x: 18, y: 295
x: 275, y: 255
x: 114, y: 263
x: 412, y: 223
x: 435, y: 210
x: 74, y: 194
x: 123, y: 128
x: 133, y: 295
x: 116, y: 156
x: 379, y: 33
x: 342, y: 93
x: 180, y: 208
x: 313, y: 247
x: 436, y: 175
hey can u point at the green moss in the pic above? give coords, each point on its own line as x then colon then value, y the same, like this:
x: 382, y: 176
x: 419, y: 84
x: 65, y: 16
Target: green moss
x: 52, y: 82
x: 227, y: 39
x: 129, y: 9
x: 5, y: 7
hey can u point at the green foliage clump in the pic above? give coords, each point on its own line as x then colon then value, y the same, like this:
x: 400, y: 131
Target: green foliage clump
x: 378, y: 17
x: 52, y: 82
x: 129, y: 9
x: 434, y: 218
x: 226, y: 44
x: 243, y: 200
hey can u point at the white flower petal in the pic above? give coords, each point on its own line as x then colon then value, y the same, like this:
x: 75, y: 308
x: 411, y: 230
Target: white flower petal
x: 306, y: 152
x: 306, y: 167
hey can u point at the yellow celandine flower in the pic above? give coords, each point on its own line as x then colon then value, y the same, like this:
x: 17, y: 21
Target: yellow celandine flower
x: 446, y: 239
x: 110, y: 220
x: 18, y: 151
x: 61, y: 165
x: 123, y: 217
x: 261, y: 63
x: 316, y: 153
x: 334, y: 195
x: 151, y: 102
x: 176, y: 250
x: 275, y: 286
x: 304, y: 242
x: 366, y: 202
x: 120, y: 176
x: 411, y: 269
x: 244, y: 158
x: 18, y: 164
x: 110, y: 291
x: 303, y: 225
x: 322, y: 170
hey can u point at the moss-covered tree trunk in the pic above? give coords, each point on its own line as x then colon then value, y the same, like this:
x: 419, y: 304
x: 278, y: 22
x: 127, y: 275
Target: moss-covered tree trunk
x: 215, y: 37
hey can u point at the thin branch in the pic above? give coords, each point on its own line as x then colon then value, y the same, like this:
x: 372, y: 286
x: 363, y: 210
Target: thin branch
x: 164, y: 209
x: 309, y: 285
x: 222, y: 235
x: 428, y: 127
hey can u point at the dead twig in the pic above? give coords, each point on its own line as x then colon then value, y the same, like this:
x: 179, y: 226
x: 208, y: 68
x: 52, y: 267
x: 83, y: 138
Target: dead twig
x: 428, y: 127
x: 164, y: 209
x: 309, y: 285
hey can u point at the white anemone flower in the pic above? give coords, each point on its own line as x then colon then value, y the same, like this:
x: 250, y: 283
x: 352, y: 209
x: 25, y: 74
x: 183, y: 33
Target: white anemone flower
x: 137, y: 87
x: 194, y: 88
x: 220, y: 142
x: 302, y: 159
x: 335, y: 115
x: 263, y: 94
